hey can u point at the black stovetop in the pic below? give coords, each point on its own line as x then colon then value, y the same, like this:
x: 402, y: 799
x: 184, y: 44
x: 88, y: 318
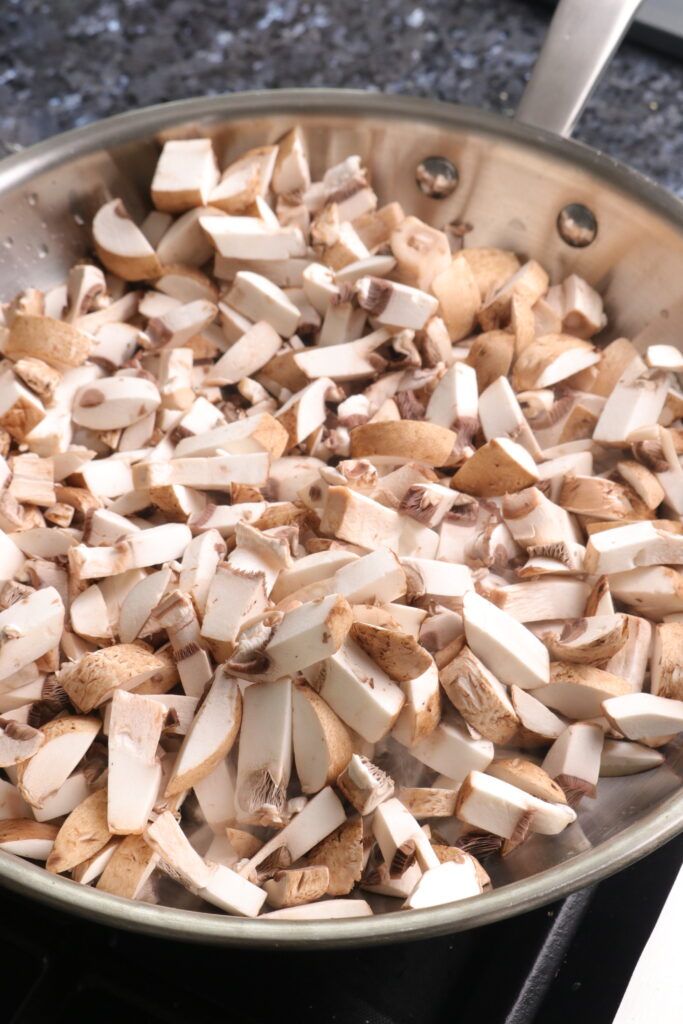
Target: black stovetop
x: 560, y: 964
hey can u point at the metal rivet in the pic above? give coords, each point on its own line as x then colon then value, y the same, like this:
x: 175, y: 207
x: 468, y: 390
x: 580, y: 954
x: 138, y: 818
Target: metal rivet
x: 437, y: 177
x: 577, y: 225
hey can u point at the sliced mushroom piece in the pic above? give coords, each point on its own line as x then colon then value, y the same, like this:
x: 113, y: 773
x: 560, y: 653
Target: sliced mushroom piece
x: 134, y: 772
x: 428, y: 803
x: 30, y: 628
x: 265, y: 751
x: 446, y: 883
x: 505, y: 810
x: 428, y: 504
x: 589, y: 640
x: 397, y: 654
x: 337, y: 241
x: 306, y: 411
x: 217, y: 473
x: 498, y: 467
x: 307, y: 634
x: 421, y: 253
x: 546, y: 597
x: 84, y: 833
x: 186, y: 284
x: 453, y: 404
x: 654, y: 591
x: 321, y: 743
x: 176, y: 327
x: 21, y: 412
x: 491, y: 355
x: 451, y: 750
x: 624, y: 757
x: 66, y: 741
x: 408, y: 439
x: 500, y: 415
x: 11, y: 803
x: 177, y: 616
x: 492, y: 268
x: 562, y: 559
x: 185, y: 174
x: 296, y: 886
x: 95, y: 677
x: 551, y: 359
x: 32, y: 480
x: 141, y: 600
x: 322, y: 910
x: 250, y: 238
x: 180, y: 712
x: 528, y: 776
x: 401, y: 839
x: 459, y: 297
x: 86, y: 284
x: 214, y: 883
x: 216, y: 798
x: 644, y: 716
x: 321, y: 816
x: 666, y: 662
x: 121, y: 245
x: 11, y: 558
x: 27, y: 838
x: 234, y: 596
x: 421, y: 713
x: 176, y: 856
x: 578, y: 690
x: 438, y: 580
x: 90, y: 869
x: 18, y: 742
x: 358, y: 691
x: 644, y: 483
x: 600, y: 598
x: 364, y: 784
x: 341, y: 853
x: 505, y: 646
x: 582, y: 308
x: 631, y: 547
x: 291, y: 172
x: 538, y: 524
x: 310, y: 569
x: 528, y: 283
x: 636, y: 401
x: 538, y: 725
x: 358, y: 519
x: 38, y: 376
x: 479, y: 697
x: 244, y: 179
x: 59, y: 344
x: 396, y: 305
x: 573, y: 761
x: 130, y: 865
x: 249, y: 353
x: 211, y: 735
x: 377, y: 577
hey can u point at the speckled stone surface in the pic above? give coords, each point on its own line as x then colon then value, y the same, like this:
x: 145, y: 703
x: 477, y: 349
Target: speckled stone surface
x: 65, y: 63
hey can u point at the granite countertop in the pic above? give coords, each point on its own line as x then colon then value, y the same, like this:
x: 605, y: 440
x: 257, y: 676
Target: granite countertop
x: 63, y: 64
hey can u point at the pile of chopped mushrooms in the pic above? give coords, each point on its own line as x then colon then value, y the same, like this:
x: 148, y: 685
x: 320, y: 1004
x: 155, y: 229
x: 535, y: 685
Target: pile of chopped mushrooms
x: 334, y: 556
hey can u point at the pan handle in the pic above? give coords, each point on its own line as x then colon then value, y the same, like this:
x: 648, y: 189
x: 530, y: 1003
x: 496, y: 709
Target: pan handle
x: 582, y: 38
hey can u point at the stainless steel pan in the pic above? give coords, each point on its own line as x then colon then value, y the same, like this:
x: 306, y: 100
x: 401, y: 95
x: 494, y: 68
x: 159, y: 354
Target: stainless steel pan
x: 514, y: 180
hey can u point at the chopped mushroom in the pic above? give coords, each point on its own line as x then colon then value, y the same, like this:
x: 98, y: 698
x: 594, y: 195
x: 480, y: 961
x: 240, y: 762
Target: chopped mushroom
x: 82, y: 835
x: 312, y: 523
x: 210, y: 736
x: 134, y: 772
